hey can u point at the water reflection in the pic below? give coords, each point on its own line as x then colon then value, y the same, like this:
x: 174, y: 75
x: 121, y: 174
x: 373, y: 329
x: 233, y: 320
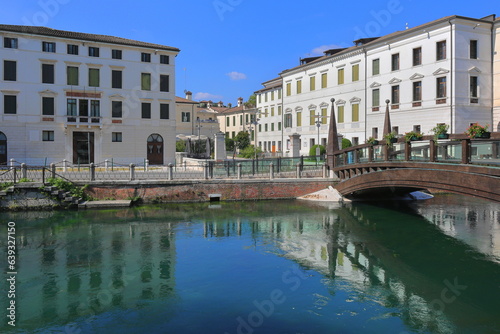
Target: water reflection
x: 95, y: 268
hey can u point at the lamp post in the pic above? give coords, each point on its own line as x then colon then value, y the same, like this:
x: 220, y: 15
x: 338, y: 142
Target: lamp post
x: 253, y: 124
x: 318, y: 122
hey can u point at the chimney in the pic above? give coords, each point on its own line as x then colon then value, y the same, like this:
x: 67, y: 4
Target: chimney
x: 240, y: 101
x: 189, y: 95
x: 221, y: 104
x: 209, y: 104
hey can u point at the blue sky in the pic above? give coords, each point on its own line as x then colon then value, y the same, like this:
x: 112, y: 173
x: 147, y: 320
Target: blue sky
x: 229, y: 47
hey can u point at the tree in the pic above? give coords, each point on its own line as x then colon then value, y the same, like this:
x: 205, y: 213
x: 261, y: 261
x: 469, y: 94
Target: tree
x: 346, y: 143
x: 243, y: 139
x: 312, y: 150
x: 180, y: 146
x: 252, y: 101
x: 229, y: 144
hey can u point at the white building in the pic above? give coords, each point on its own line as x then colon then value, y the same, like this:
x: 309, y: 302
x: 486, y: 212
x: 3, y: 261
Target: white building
x: 85, y: 98
x: 269, y: 121
x: 439, y: 72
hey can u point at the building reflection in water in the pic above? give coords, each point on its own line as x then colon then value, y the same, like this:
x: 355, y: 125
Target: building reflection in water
x: 88, y: 269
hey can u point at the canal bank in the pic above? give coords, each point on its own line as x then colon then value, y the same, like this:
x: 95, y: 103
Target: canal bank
x: 34, y: 196
x: 206, y: 190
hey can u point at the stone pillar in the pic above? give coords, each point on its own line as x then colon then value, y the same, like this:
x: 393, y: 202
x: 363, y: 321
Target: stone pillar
x: 220, y: 146
x: 295, y: 144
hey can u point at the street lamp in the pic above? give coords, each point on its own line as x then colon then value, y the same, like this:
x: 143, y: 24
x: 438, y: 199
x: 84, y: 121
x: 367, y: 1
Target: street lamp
x: 251, y: 124
x: 319, y: 120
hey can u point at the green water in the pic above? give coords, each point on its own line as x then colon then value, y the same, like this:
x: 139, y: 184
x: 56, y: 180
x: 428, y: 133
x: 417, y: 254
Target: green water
x: 258, y: 267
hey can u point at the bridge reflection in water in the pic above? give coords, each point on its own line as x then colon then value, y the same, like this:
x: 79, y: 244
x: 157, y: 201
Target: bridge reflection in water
x: 99, y: 269
x: 459, y: 165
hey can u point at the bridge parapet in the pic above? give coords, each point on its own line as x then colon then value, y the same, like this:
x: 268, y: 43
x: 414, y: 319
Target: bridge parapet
x: 459, y: 164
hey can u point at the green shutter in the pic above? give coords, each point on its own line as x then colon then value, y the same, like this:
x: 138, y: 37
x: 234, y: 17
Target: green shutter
x: 324, y: 80
x: 299, y: 119
x: 324, y: 112
x: 93, y: 77
x: 72, y: 75
x: 312, y: 83
x: 355, y: 112
x: 312, y: 120
x: 341, y: 76
x: 355, y: 72
x: 145, y: 81
x: 340, y: 114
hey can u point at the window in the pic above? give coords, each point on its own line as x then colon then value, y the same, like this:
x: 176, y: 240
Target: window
x: 416, y: 128
x: 93, y: 51
x: 312, y: 83
x: 395, y: 129
x: 164, y: 83
x: 10, y: 43
x: 234, y: 120
x: 95, y: 108
x: 312, y: 117
x: 279, y: 94
x: 72, y: 49
x: 48, y: 73
x: 260, y: 98
x: 288, y: 120
x: 375, y: 132
x: 395, y: 94
x: 272, y: 126
x: 146, y: 110
x: 355, y: 112
x: 324, y: 112
x: 299, y: 118
x: 375, y: 97
x: 288, y: 89
x: 340, y: 112
x: 395, y: 62
x: 116, y: 54
x: 355, y: 72
x: 146, y: 81
x: 228, y: 121
x: 299, y: 86
x: 279, y: 126
x: 48, y: 106
x: 272, y: 95
x: 341, y: 76
x: 375, y: 66
x: 48, y: 47
x: 116, y: 137
x: 441, y: 87
x: 473, y: 89
x: 9, y: 70
x: 473, y: 49
x: 10, y: 104
x: 417, y: 91
x: 164, y: 111
x: 186, y: 117
x: 116, y: 109
x: 417, y: 56
x: 72, y: 75
x: 265, y: 97
x: 441, y: 50
x: 324, y: 80
x: 116, y: 79
x: 164, y: 59
x: 94, y: 77
x: 279, y: 110
x: 272, y: 111
x: 71, y: 107
x: 265, y: 127
x: 48, y: 135
x: 145, y: 57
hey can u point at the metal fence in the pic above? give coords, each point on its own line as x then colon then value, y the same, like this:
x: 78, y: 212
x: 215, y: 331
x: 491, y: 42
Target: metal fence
x: 301, y: 167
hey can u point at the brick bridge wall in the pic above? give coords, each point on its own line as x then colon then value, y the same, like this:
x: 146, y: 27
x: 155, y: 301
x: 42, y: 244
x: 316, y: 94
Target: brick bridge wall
x: 199, y: 191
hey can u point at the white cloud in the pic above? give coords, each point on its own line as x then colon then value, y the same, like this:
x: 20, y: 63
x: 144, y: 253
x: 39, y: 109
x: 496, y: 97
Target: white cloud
x: 236, y: 75
x: 207, y: 96
x: 320, y: 49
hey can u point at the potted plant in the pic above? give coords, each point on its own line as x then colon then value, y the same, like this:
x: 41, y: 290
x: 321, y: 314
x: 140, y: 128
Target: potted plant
x: 477, y: 131
x: 413, y: 135
x: 440, y: 131
x: 372, y: 141
x: 391, y: 138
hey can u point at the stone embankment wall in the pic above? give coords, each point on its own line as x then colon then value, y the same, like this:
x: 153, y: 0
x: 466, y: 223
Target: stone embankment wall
x: 202, y: 191
x: 27, y: 196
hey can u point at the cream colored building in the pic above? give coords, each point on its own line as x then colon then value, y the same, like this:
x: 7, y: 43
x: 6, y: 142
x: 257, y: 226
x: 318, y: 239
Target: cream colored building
x: 85, y: 98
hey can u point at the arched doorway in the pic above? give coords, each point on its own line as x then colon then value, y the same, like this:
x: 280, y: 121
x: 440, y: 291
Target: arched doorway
x: 3, y: 149
x: 155, y: 149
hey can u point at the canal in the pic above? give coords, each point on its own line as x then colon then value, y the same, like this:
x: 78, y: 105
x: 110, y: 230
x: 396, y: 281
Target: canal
x: 258, y: 267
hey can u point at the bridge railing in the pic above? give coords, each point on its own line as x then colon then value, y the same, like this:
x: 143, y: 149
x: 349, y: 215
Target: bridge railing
x: 458, y: 149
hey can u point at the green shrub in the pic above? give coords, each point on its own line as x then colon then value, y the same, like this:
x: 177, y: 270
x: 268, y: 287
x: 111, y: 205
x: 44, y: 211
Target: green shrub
x: 312, y: 150
x: 180, y: 146
x: 249, y: 152
x: 346, y: 143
